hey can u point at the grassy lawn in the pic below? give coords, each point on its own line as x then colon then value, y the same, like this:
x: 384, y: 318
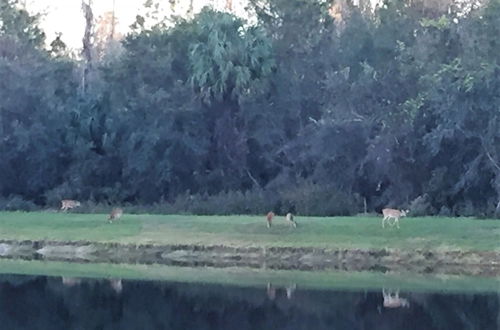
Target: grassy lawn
x: 334, y: 232
x: 246, y: 277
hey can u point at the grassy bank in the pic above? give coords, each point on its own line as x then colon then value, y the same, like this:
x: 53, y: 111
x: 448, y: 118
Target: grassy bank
x: 336, y: 232
x: 246, y: 277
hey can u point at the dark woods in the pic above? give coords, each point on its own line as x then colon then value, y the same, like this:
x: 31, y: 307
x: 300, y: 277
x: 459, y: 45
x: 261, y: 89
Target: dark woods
x: 312, y: 109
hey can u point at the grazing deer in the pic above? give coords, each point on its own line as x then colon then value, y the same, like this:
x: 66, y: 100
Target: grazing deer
x: 69, y: 204
x: 395, y: 214
x: 290, y: 220
x: 270, y: 217
x: 115, y: 214
x: 392, y: 300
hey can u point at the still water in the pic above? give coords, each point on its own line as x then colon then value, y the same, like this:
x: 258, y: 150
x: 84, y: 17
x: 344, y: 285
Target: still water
x: 41, y: 302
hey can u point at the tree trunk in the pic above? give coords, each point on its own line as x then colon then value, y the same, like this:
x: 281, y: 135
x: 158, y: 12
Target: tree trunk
x: 87, y: 44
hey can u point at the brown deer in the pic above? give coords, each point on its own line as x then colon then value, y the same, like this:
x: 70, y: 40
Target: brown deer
x: 115, y: 214
x: 67, y: 204
x: 392, y: 299
x: 394, y: 214
x: 290, y: 220
x: 270, y: 217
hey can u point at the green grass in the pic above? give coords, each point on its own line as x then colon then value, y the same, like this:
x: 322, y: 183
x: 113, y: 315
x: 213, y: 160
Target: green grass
x: 247, y: 277
x: 327, y: 232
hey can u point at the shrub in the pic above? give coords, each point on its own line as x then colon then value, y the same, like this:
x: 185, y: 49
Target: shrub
x: 444, y: 212
x: 17, y: 203
x: 54, y: 196
x: 319, y: 200
x: 421, y: 206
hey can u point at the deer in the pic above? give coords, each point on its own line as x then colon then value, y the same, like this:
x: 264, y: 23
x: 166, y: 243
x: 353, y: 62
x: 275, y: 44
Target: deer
x: 290, y: 220
x: 270, y: 217
x: 395, y: 214
x: 67, y: 204
x: 115, y: 214
x: 392, y: 299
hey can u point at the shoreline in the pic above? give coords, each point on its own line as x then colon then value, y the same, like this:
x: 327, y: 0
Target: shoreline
x: 419, y: 261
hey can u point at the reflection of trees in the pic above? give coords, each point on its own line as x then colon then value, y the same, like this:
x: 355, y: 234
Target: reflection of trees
x: 95, y: 304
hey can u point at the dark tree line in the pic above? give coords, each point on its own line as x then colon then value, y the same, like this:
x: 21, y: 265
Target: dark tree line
x: 302, y: 110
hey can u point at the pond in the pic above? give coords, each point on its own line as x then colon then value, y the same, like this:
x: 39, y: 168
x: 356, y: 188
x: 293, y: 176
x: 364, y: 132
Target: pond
x: 56, y: 302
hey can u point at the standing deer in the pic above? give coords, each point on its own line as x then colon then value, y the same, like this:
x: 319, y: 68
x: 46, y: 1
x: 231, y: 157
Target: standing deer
x: 69, y: 204
x: 290, y: 220
x: 270, y: 217
x: 395, y: 214
x: 115, y: 214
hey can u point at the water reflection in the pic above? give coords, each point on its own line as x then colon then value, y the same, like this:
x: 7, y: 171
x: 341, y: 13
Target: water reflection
x: 37, y: 302
x: 115, y: 284
x: 392, y: 299
x: 289, y: 290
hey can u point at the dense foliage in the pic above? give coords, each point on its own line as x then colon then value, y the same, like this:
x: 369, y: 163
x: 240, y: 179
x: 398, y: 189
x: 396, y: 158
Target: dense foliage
x: 397, y: 106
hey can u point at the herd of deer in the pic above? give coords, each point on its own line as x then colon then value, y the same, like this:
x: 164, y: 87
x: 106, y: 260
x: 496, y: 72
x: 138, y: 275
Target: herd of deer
x: 117, y: 212
x: 391, y: 299
x: 67, y: 204
x: 387, y: 213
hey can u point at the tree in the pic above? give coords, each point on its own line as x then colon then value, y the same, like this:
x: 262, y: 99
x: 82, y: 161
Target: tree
x: 228, y: 61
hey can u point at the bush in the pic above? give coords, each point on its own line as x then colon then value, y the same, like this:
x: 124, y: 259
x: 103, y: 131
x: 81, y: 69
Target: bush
x: 320, y: 200
x: 254, y: 201
x: 54, y: 196
x: 464, y: 208
x: 17, y: 203
x: 445, y: 212
x: 307, y: 199
x: 421, y: 206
